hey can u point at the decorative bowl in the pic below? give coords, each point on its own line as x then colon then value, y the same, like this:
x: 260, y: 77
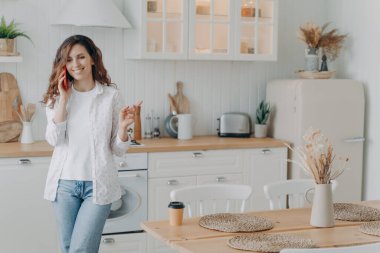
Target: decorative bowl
x: 315, y: 74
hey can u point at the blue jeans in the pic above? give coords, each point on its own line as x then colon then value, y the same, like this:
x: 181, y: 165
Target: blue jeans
x: 80, y: 221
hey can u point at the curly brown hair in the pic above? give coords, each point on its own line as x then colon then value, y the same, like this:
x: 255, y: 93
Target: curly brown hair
x: 99, y: 73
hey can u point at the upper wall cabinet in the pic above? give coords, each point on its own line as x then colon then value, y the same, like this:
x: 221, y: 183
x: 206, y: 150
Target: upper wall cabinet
x: 202, y: 29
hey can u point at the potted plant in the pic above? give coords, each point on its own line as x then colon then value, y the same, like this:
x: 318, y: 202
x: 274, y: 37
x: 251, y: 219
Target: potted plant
x: 262, y: 116
x: 8, y: 34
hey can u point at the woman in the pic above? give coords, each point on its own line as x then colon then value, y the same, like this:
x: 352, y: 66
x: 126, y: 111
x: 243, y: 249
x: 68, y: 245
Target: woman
x: 86, y: 124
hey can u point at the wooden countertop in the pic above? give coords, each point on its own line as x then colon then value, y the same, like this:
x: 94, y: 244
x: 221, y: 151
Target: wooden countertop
x: 42, y: 148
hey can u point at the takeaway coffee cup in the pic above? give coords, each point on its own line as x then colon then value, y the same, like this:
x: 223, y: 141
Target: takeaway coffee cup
x: 176, y: 213
x: 184, y: 127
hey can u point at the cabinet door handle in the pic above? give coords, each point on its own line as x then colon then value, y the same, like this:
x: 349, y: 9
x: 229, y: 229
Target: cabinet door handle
x: 265, y: 151
x: 108, y: 240
x: 220, y: 179
x: 122, y: 164
x: 197, y: 155
x: 172, y: 182
x: 24, y: 161
x: 354, y: 139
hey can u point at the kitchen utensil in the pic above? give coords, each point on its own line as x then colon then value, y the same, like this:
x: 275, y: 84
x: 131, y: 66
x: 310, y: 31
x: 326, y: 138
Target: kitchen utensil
x: 10, y: 99
x: 181, y: 101
x: 23, y: 113
x: 30, y: 110
x: 9, y: 131
x: 171, y: 125
x: 173, y: 105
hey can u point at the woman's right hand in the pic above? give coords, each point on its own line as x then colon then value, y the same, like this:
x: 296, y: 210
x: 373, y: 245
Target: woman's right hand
x: 65, y: 94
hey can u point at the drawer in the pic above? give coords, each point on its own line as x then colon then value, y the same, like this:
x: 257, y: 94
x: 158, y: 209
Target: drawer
x: 133, y: 161
x: 123, y: 243
x: 24, y: 161
x: 187, y: 163
x: 220, y: 179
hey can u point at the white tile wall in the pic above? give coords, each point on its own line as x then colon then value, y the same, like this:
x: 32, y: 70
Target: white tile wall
x: 360, y: 60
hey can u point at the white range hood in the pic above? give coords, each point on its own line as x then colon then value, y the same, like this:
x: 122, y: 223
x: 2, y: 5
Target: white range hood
x: 100, y: 13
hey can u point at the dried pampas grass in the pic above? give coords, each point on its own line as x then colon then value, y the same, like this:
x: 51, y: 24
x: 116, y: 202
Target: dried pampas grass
x: 316, y: 157
x: 317, y: 37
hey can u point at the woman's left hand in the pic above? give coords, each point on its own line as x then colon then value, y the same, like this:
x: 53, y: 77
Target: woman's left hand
x: 126, y: 118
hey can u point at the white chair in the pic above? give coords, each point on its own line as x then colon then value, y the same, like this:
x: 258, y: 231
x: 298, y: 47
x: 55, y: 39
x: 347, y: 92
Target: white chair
x: 365, y: 248
x: 212, y: 198
x: 291, y: 191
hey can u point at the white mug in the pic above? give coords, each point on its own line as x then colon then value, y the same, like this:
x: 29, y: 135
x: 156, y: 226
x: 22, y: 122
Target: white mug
x: 184, y: 127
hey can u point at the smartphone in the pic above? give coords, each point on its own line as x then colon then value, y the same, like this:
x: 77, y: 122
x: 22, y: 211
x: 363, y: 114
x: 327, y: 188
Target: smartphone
x: 65, y: 81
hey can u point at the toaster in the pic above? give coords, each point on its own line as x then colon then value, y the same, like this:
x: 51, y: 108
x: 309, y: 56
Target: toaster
x: 234, y: 124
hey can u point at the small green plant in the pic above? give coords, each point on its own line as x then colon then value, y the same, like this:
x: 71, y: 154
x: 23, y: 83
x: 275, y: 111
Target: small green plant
x: 262, y: 113
x: 10, y: 31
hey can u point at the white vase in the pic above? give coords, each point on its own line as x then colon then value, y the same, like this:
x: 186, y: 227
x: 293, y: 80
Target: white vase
x: 322, y: 211
x: 26, y: 134
x: 260, y: 131
x: 311, y: 59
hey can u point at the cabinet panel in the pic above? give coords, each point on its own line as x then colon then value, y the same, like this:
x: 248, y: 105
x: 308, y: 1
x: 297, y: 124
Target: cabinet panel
x: 264, y: 166
x: 189, y: 163
x: 131, y: 243
x: 159, y: 194
x: 27, y: 220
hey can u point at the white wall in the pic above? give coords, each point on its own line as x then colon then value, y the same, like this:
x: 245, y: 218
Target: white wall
x: 360, y: 60
x: 213, y: 87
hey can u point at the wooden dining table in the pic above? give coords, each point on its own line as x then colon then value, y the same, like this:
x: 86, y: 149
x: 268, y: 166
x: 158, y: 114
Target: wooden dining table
x: 190, y: 237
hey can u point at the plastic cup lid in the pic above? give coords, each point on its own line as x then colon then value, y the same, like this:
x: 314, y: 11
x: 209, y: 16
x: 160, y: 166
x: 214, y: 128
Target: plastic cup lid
x: 176, y: 205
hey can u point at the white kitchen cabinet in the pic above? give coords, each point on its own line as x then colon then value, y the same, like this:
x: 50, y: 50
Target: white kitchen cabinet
x: 159, y: 29
x: 264, y: 166
x: 202, y: 29
x: 27, y: 220
x: 131, y: 243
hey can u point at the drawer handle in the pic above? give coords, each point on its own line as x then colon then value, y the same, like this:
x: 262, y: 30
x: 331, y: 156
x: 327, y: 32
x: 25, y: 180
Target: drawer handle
x: 108, y: 240
x: 172, y: 182
x: 24, y: 161
x: 197, y: 155
x: 265, y: 151
x: 122, y: 164
x: 220, y: 179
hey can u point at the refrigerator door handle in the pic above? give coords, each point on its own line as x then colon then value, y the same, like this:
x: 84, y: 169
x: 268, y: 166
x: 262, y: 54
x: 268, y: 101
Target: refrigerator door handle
x: 354, y: 139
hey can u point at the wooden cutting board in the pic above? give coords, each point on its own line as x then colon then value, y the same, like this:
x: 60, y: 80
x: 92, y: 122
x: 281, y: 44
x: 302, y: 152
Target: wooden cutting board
x: 181, y: 101
x: 10, y: 98
x: 10, y: 131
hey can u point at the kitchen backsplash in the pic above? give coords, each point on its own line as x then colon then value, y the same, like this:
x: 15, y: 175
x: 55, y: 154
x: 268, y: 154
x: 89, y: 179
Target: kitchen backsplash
x: 213, y: 87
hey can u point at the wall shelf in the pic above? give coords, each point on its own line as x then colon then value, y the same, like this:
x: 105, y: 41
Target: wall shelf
x: 10, y: 58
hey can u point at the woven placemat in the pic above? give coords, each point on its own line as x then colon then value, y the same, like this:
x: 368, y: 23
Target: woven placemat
x: 269, y: 242
x: 229, y: 222
x: 354, y: 212
x: 371, y: 228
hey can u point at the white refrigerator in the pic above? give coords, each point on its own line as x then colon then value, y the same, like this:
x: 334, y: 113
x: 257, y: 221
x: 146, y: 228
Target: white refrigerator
x: 336, y: 107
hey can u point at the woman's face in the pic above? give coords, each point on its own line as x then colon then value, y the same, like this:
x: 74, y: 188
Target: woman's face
x: 79, y: 63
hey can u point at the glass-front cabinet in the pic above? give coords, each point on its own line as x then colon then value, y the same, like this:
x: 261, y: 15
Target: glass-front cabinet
x: 202, y: 29
x: 256, y: 30
x: 210, y: 29
x: 159, y: 29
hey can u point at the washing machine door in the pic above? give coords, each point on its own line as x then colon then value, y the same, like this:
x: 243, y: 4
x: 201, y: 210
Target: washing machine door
x: 127, y: 212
